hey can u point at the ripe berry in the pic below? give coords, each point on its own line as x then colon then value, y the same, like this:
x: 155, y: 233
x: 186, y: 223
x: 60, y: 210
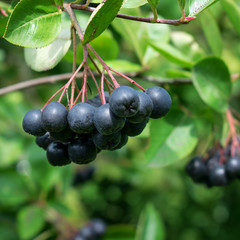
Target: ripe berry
x: 86, y: 233
x: 217, y: 176
x: 80, y: 118
x: 106, y: 142
x: 161, y: 101
x: 44, y: 141
x: 233, y: 167
x: 124, y: 101
x: 82, y: 151
x: 54, y: 117
x: 145, y: 108
x: 106, y: 122
x: 57, y: 154
x: 124, y: 140
x: 134, y: 129
x: 66, y: 135
x: 96, y: 101
x: 32, y: 123
x: 197, y: 169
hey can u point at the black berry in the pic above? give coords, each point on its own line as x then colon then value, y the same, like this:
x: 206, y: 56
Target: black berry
x: 44, y: 141
x: 54, y: 117
x: 124, y: 101
x: 134, y: 129
x: 161, y: 101
x: 32, y: 122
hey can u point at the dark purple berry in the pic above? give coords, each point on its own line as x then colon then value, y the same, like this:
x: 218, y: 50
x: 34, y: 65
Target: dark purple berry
x: 233, y: 167
x: 134, y: 129
x: 54, y: 117
x: 44, y: 141
x: 82, y: 151
x: 218, y: 176
x: 145, y: 108
x: 66, y: 135
x: 124, y: 140
x: 32, y: 122
x: 106, y: 122
x: 99, y: 227
x: 80, y: 118
x: 161, y: 101
x: 124, y: 101
x: 57, y: 154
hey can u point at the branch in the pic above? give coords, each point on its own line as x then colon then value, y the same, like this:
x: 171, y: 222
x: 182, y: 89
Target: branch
x: 136, y: 18
x: 65, y: 76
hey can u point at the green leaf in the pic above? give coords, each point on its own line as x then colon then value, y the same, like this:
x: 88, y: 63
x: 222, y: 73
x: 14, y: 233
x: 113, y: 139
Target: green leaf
x: 43, y: 59
x: 197, y: 6
x: 182, y: 4
x: 153, y: 3
x: 123, y: 65
x: 172, y: 54
x: 212, y: 80
x: 33, y: 23
x: 30, y: 221
x: 171, y: 139
x: 150, y: 225
x: 233, y: 12
x: 59, y: 2
x: 3, y: 24
x: 211, y: 32
x: 101, y: 18
x: 133, y: 3
x: 12, y: 189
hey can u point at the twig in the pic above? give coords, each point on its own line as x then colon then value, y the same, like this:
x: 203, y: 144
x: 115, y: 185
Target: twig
x: 136, y: 18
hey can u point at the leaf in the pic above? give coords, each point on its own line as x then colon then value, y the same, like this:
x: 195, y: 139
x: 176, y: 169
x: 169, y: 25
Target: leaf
x: 172, y: 54
x: 123, y: 65
x: 12, y: 189
x: 233, y: 12
x: 133, y: 3
x: 182, y: 4
x: 33, y: 23
x: 150, y: 225
x: 30, y: 221
x: 3, y: 24
x: 211, y: 79
x: 59, y: 2
x: 153, y: 3
x: 43, y: 59
x: 101, y: 18
x: 211, y: 32
x: 197, y: 6
x: 172, y: 138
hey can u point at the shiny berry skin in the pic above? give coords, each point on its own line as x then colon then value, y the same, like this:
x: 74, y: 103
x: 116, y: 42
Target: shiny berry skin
x: 57, y: 154
x: 161, y: 101
x: 54, y: 117
x: 44, y: 141
x: 124, y: 101
x: 32, y: 123
x: 233, y: 167
x: 218, y: 176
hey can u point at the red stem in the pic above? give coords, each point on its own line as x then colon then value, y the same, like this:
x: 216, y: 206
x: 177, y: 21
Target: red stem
x: 102, y: 87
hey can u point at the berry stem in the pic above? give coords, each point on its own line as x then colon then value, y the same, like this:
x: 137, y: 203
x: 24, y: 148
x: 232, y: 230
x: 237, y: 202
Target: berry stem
x: 102, y: 88
x: 232, y: 131
x: 129, y: 79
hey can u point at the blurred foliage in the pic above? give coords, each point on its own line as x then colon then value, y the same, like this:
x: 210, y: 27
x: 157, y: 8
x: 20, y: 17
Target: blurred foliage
x: 38, y: 201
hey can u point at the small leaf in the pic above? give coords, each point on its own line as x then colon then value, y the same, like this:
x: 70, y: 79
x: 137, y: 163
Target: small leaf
x: 212, y: 80
x: 172, y: 54
x: 124, y: 65
x: 153, y: 3
x: 233, y: 12
x: 30, y: 221
x: 150, y: 225
x: 172, y: 138
x: 133, y: 3
x: 101, y: 18
x: 33, y: 23
x: 212, y: 32
x: 59, y: 2
x: 197, y: 6
x: 3, y: 24
x: 182, y: 4
x: 43, y: 59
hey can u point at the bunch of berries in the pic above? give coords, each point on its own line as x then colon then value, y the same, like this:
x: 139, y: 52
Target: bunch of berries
x: 87, y: 128
x: 219, y: 168
x: 94, y: 230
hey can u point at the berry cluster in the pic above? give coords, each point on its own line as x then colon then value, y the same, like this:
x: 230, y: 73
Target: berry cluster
x: 87, y: 128
x: 94, y: 230
x: 219, y: 168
